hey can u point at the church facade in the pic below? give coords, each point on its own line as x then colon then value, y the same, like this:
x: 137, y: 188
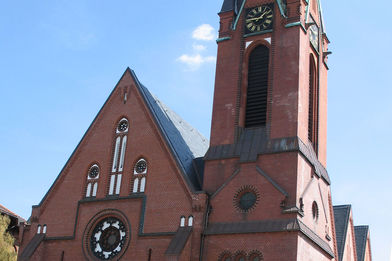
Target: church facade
x: 144, y: 185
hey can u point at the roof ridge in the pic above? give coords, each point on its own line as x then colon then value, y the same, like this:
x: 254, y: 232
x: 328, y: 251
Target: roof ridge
x: 11, y: 212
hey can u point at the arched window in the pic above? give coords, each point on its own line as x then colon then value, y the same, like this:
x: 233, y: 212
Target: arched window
x: 225, y: 256
x: 182, y: 221
x: 255, y: 256
x: 92, y: 181
x: 240, y: 257
x: 39, y: 229
x: 135, y: 185
x: 315, y: 211
x: 120, y: 146
x: 313, y: 105
x: 44, y: 229
x: 140, y: 175
x: 257, y: 90
x: 190, y: 221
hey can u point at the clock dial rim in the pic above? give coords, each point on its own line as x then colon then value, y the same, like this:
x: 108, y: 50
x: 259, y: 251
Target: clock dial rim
x: 254, y: 26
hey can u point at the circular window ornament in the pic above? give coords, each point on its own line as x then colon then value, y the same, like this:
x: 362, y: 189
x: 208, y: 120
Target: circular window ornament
x: 140, y: 167
x: 93, y: 172
x: 108, y: 238
x: 246, y: 199
x: 122, y: 125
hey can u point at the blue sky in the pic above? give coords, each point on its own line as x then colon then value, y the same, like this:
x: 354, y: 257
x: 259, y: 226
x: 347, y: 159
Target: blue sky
x: 60, y: 59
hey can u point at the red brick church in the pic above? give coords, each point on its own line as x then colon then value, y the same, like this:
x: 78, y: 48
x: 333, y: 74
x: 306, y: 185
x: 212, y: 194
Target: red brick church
x: 144, y: 185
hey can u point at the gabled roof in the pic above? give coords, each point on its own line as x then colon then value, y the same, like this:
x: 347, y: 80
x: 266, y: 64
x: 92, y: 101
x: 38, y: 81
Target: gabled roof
x: 6, y: 211
x: 342, y: 219
x: 361, y: 235
x: 186, y: 143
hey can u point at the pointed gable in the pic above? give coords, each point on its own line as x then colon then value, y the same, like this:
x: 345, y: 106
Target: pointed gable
x: 342, y: 219
x: 185, y: 142
x: 361, y: 237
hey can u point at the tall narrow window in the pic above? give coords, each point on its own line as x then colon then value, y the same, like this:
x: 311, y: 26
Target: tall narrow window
x: 92, y: 181
x: 120, y: 147
x: 257, y: 91
x: 313, y: 105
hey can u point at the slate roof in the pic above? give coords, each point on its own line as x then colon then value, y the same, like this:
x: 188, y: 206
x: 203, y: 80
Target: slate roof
x: 186, y: 143
x: 4, y: 210
x: 361, y: 234
x: 229, y: 5
x: 342, y: 218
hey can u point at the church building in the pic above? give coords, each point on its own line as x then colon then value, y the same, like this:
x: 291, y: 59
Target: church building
x: 144, y: 185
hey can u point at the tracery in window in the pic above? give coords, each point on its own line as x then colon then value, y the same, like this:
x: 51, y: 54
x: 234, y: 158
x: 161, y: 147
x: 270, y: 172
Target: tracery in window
x: 120, y: 147
x: 139, y: 178
x: 92, y: 181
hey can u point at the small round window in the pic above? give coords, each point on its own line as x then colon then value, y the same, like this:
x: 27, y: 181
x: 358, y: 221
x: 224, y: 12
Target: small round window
x: 140, y: 167
x: 93, y: 172
x: 122, y: 125
x: 246, y: 199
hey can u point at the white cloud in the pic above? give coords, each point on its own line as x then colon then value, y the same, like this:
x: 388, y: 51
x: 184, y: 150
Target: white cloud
x: 195, y: 61
x: 204, y: 32
x: 199, y: 47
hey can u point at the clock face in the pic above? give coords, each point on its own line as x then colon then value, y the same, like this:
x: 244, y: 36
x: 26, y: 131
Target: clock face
x: 108, y: 238
x: 122, y: 126
x: 94, y: 172
x: 141, y: 167
x: 259, y: 19
x: 314, y: 36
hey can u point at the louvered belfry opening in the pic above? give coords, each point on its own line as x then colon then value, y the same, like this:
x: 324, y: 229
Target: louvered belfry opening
x: 257, y: 92
x: 313, y: 105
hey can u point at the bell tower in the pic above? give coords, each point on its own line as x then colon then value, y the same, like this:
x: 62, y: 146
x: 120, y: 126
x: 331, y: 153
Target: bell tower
x: 267, y: 157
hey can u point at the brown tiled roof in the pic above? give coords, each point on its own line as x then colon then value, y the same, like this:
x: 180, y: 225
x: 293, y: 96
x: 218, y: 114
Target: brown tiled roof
x: 4, y: 210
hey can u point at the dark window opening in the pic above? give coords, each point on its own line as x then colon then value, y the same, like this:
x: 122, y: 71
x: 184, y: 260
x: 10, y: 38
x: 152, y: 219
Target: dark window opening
x: 313, y: 106
x: 257, y: 91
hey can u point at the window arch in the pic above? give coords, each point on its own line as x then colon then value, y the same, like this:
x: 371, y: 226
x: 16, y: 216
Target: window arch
x: 257, y: 90
x: 93, y: 174
x: 313, y: 104
x: 190, y: 221
x: 225, y: 256
x: 139, y: 177
x: 182, y: 221
x: 120, y: 145
x: 255, y: 256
